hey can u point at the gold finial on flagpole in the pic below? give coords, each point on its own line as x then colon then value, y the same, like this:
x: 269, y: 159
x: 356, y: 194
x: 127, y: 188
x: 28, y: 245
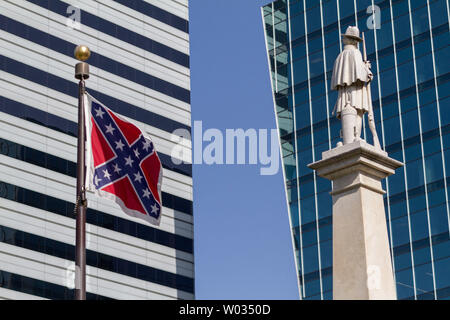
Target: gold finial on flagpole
x: 82, y: 53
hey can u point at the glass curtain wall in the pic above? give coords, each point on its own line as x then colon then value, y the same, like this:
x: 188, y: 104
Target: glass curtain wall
x: 407, y: 43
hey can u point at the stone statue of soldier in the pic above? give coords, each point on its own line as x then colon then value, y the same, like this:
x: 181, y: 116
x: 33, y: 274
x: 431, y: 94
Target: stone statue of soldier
x: 352, y: 77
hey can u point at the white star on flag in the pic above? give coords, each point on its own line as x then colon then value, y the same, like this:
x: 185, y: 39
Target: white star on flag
x: 129, y: 161
x: 119, y: 145
x: 146, y: 193
x: 154, y: 208
x: 146, y: 145
x: 136, y: 153
x: 97, y: 180
x: 110, y: 129
x: 106, y: 174
x: 137, y: 177
x: 116, y: 168
x: 99, y: 113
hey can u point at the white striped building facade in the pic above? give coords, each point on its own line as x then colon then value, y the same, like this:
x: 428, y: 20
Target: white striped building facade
x: 139, y: 67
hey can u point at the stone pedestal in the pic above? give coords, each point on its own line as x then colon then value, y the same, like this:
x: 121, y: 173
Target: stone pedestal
x: 362, y: 268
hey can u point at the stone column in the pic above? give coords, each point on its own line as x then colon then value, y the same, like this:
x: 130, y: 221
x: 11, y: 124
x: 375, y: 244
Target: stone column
x: 362, y: 267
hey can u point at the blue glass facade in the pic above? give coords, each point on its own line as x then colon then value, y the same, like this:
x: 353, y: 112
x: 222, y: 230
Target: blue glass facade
x: 408, y: 49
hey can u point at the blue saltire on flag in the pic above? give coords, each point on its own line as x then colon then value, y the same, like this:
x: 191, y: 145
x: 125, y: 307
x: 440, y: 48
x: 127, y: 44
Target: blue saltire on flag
x: 122, y: 163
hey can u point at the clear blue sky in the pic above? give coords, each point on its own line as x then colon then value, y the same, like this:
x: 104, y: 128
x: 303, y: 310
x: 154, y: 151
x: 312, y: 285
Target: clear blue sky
x: 243, y: 248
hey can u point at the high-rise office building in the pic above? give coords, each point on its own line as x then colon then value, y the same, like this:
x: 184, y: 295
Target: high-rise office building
x: 408, y: 46
x: 140, y: 69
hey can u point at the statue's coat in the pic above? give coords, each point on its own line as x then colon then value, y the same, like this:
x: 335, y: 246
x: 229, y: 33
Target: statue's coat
x: 350, y: 74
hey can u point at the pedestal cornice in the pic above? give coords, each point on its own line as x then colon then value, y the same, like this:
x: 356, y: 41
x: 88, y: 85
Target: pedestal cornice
x: 357, y: 156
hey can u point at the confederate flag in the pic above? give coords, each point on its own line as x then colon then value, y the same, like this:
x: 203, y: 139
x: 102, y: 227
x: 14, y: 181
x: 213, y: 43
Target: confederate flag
x: 122, y: 163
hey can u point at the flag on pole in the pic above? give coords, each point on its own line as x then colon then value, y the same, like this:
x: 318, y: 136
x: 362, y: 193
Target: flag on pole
x: 122, y: 163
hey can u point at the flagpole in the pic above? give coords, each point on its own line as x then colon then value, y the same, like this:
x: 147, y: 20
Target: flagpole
x: 82, y: 53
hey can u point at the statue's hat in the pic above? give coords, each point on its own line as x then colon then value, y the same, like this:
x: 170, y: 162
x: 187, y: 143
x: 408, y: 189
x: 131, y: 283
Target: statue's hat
x: 352, y: 33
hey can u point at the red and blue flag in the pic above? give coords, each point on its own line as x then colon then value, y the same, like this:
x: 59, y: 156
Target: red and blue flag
x: 122, y: 163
